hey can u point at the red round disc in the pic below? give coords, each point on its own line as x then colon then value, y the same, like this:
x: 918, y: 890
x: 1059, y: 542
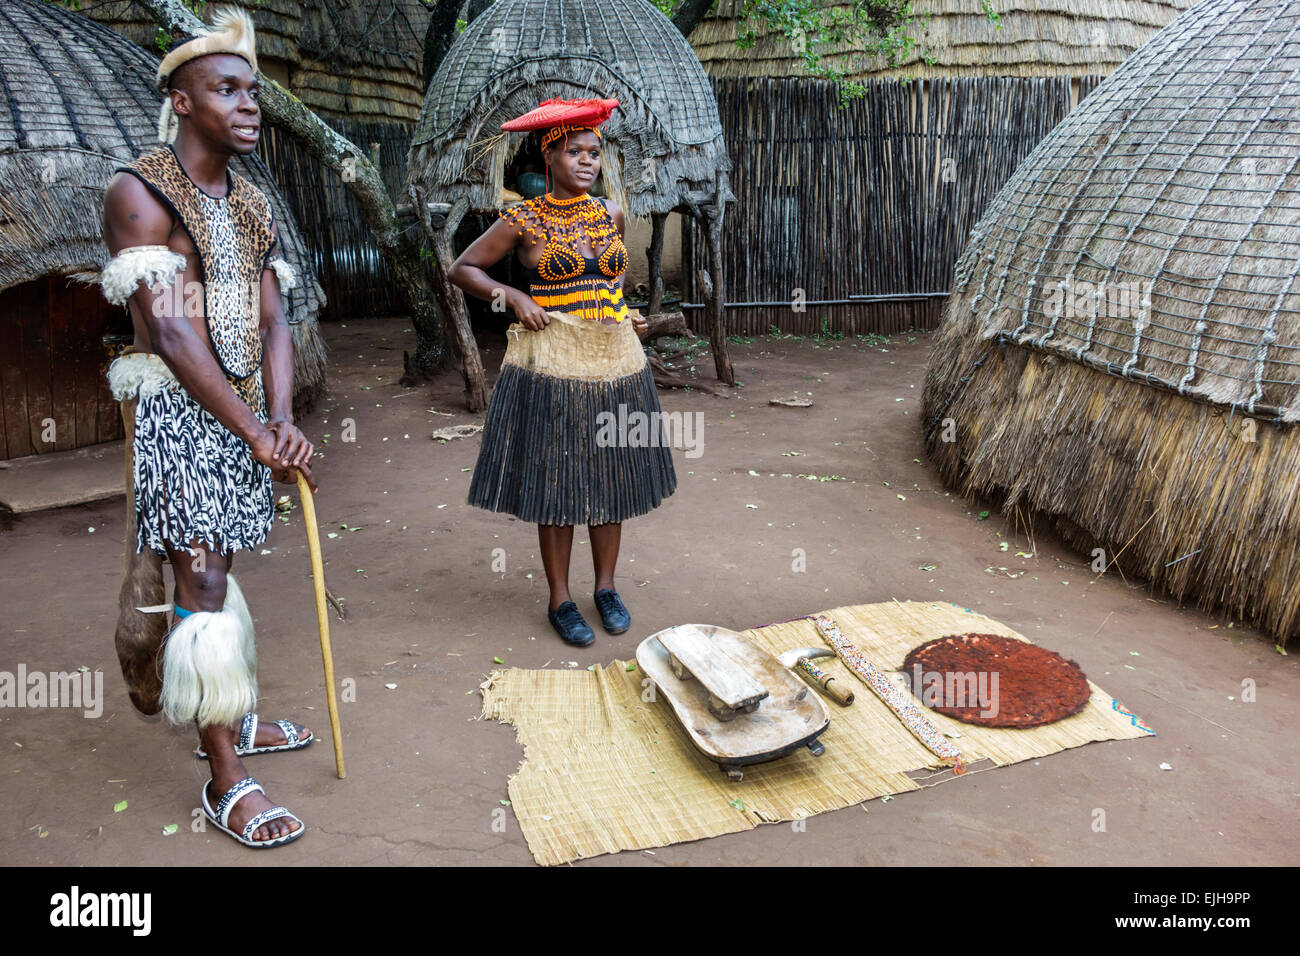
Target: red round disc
x: 996, y: 681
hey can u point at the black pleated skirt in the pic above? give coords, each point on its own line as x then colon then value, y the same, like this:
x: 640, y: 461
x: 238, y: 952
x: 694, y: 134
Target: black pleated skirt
x: 574, y: 432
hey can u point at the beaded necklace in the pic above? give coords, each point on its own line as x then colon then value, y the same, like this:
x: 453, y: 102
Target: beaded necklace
x: 565, y: 225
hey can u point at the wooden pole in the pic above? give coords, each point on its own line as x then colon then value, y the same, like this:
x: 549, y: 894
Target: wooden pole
x: 655, y: 255
x: 440, y: 226
x: 717, y: 294
x: 322, y: 617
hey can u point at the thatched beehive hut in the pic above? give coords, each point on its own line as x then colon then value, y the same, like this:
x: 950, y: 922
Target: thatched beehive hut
x: 1036, y: 38
x: 1122, y: 346
x: 662, y: 148
x: 78, y: 101
x: 862, y: 210
x: 345, y: 59
x: 360, y: 60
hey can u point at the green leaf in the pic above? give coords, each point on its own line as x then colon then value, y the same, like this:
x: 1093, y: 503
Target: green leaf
x: 119, y: 806
x: 737, y: 803
x: 169, y: 829
x: 498, y: 660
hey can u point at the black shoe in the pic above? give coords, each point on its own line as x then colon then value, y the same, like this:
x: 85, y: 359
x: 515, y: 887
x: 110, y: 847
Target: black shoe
x: 613, y: 615
x: 568, y: 623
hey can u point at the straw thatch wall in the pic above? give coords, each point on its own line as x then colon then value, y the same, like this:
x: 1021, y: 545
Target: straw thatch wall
x: 78, y: 101
x: 1037, y: 38
x: 1122, y: 346
x: 663, y: 145
x: 354, y: 58
x: 348, y: 262
x: 362, y: 59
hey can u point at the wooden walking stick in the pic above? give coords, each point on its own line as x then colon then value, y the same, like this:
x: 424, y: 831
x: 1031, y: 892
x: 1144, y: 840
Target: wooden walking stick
x: 322, y: 616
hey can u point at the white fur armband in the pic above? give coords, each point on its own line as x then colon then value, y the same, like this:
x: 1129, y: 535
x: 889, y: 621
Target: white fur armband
x: 284, y: 272
x: 138, y: 375
x: 154, y: 265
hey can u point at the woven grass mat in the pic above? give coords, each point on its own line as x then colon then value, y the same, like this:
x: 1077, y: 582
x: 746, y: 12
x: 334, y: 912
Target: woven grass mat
x: 605, y: 770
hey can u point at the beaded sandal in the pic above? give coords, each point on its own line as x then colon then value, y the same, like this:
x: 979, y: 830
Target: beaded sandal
x: 248, y: 733
x: 221, y: 816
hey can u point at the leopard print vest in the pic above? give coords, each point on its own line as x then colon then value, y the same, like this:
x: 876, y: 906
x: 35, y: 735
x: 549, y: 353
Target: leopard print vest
x: 233, y: 237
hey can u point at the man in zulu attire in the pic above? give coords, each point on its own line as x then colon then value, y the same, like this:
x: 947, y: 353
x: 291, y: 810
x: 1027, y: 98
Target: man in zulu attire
x: 574, y: 364
x: 207, y: 402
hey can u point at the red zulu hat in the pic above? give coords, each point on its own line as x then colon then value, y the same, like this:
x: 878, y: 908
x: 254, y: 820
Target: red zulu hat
x: 586, y: 114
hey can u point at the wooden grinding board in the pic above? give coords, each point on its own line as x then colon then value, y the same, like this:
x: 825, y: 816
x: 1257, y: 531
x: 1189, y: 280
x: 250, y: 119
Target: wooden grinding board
x: 692, y: 653
x: 792, y: 715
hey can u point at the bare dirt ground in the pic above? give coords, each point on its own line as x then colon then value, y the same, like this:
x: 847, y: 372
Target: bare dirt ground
x: 428, y: 614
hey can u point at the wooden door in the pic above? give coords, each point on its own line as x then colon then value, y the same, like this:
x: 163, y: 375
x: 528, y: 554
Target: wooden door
x: 56, y: 339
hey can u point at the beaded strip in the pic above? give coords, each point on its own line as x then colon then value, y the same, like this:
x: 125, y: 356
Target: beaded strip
x: 813, y: 671
x: 900, y: 703
x: 1134, y: 719
x: 555, y: 132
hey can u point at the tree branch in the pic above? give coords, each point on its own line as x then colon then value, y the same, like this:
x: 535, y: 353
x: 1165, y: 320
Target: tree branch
x: 689, y: 14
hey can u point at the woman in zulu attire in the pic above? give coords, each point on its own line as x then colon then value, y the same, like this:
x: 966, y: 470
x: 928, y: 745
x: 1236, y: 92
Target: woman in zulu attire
x: 557, y: 450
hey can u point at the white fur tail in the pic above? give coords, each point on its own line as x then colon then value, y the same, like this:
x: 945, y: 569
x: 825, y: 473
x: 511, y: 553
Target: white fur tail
x: 210, y: 665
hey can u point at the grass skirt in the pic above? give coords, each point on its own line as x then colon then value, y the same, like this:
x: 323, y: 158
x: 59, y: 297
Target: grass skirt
x: 574, y: 433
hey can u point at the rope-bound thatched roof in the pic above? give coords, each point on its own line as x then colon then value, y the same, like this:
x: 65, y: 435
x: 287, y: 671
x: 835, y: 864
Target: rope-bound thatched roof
x: 363, y: 58
x: 1176, y: 180
x: 1125, y: 320
x: 1037, y: 38
x: 79, y: 100
x: 520, y: 52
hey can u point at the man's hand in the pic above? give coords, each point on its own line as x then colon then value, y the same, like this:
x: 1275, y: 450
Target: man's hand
x: 281, y: 450
x: 291, y: 446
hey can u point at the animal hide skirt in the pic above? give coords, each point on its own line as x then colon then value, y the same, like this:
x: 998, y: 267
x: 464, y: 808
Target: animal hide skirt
x: 194, y: 481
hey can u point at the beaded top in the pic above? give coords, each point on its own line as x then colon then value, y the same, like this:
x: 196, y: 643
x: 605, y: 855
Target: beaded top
x: 565, y: 279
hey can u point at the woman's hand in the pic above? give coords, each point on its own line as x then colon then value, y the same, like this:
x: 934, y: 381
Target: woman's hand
x: 526, y: 309
x: 639, y: 323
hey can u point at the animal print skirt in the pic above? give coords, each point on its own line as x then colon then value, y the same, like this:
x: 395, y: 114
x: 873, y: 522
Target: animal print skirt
x: 194, y: 480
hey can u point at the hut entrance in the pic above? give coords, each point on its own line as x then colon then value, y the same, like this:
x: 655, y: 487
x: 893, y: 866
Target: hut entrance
x: 56, y: 337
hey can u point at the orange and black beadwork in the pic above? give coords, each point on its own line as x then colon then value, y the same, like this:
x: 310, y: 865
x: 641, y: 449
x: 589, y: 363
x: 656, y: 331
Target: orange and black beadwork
x: 565, y: 279
x: 555, y: 132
